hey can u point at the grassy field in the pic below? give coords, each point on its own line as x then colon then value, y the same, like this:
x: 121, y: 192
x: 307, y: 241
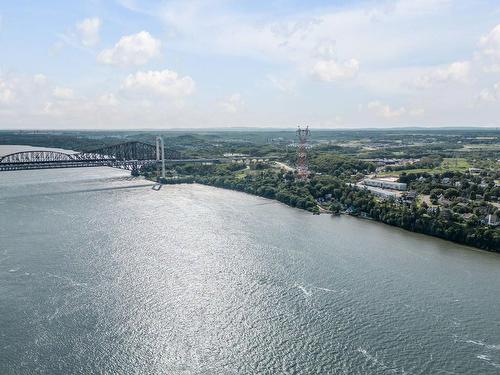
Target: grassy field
x: 456, y: 164
x: 484, y: 147
x: 448, y: 164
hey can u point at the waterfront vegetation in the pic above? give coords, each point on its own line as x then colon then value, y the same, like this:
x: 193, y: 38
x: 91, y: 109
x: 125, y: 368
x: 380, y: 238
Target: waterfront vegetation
x: 454, y: 174
x: 268, y: 182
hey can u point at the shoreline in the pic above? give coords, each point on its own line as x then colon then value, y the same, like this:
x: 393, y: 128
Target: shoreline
x: 345, y: 214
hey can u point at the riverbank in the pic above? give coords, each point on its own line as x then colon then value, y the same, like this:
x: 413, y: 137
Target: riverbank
x: 396, y: 216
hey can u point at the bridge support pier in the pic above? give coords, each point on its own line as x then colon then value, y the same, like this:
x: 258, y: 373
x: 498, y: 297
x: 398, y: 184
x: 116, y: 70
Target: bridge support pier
x: 160, y: 153
x: 135, y: 170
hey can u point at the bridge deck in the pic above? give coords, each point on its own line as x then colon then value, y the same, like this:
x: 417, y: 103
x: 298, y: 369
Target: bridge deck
x: 129, y: 155
x: 123, y: 164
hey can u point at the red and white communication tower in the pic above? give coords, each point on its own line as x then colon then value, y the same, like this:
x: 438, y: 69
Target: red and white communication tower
x: 302, y: 167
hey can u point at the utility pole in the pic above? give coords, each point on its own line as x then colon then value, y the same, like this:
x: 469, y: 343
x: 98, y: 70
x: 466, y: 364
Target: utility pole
x: 160, y: 152
x: 302, y: 167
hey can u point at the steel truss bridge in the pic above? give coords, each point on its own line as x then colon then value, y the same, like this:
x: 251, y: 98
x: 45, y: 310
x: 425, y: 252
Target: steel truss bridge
x: 129, y: 155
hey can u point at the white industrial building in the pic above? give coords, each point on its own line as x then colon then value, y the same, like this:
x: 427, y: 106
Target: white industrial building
x: 401, y: 186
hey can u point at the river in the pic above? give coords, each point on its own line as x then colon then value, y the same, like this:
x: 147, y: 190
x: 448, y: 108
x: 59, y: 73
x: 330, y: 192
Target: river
x: 101, y: 274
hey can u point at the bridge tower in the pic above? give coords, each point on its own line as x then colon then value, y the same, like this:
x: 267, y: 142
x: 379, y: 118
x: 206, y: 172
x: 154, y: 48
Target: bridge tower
x: 302, y: 165
x: 160, y: 153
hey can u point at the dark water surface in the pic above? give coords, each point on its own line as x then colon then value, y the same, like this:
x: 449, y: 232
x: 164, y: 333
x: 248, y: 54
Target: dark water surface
x: 100, y: 274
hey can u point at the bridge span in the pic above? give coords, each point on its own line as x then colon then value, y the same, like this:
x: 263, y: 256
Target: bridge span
x: 129, y: 155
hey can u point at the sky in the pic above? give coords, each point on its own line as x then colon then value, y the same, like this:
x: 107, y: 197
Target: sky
x: 137, y: 64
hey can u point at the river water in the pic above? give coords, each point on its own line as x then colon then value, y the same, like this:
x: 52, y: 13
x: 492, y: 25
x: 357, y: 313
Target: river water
x: 100, y: 274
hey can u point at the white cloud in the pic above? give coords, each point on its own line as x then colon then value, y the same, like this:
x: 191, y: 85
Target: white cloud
x: 490, y: 49
x: 7, y: 95
x: 420, y: 7
x: 331, y: 70
x: 486, y: 96
x: 88, y: 31
x: 49, y: 109
x: 159, y: 83
x: 65, y: 104
x: 108, y: 99
x: 385, y: 111
x: 490, y: 43
x: 397, y: 45
x: 326, y: 49
x: 20, y: 91
x: 130, y: 5
x: 136, y: 49
x: 26, y: 103
x: 232, y: 104
x: 416, y: 112
x: 83, y: 35
x: 63, y: 93
x: 40, y: 79
x: 286, y: 85
x: 209, y: 26
x: 458, y: 72
x: 490, y: 94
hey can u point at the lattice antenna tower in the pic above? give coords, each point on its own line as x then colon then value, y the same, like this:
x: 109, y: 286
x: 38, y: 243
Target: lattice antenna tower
x: 302, y: 166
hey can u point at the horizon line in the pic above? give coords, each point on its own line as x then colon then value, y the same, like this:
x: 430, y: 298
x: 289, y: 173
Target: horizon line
x: 258, y: 128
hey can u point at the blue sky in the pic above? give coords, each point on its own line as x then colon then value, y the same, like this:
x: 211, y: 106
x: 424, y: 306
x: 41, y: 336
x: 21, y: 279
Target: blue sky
x: 218, y: 63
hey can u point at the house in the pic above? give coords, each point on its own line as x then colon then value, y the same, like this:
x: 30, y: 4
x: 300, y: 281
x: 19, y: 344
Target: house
x: 445, y: 181
x: 409, y: 197
x: 492, y: 220
x: 432, y: 210
x: 443, y: 201
x: 446, y: 213
x: 467, y: 216
x: 475, y: 170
